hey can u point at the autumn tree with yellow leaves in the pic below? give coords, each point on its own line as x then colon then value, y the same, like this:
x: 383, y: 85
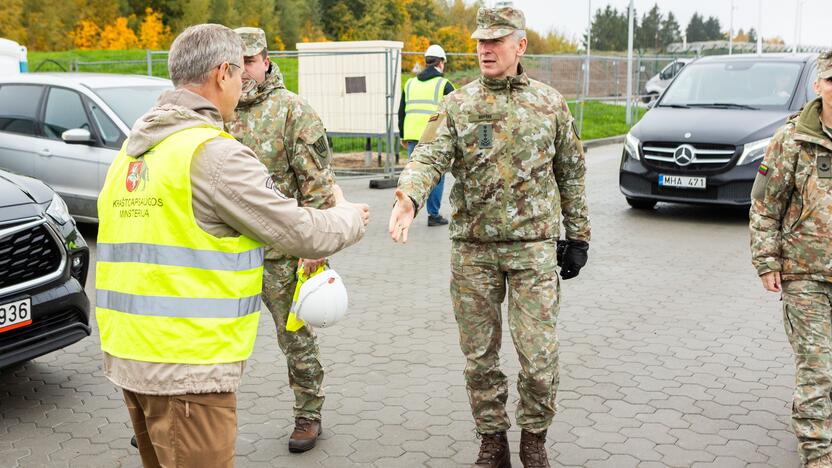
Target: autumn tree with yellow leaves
x: 153, y: 34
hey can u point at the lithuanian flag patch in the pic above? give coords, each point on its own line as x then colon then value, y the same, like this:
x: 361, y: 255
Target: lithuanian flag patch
x: 763, y: 169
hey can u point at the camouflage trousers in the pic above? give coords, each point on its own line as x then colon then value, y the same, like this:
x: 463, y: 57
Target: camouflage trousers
x: 807, y: 317
x: 306, y: 374
x: 481, y: 276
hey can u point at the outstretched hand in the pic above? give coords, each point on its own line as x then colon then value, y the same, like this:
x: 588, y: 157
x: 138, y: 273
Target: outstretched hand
x: 363, y: 209
x: 401, y: 217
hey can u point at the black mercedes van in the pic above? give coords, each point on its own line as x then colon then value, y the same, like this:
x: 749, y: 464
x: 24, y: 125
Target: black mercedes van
x: 43, y: 268
x: 704, y: 139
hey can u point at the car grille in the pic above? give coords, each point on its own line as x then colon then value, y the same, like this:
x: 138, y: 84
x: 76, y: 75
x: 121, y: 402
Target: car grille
x: 27, y: 255
x: 709, y: 193
x: 40, y: 326
x: 707, y: 157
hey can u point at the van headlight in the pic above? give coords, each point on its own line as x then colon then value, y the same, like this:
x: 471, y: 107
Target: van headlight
x: 58, y: 210
x: 753, y: 151
x: 631, y: 144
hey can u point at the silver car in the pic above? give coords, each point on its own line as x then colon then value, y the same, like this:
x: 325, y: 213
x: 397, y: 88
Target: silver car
x: 659, y: 82
x: 66, y: 128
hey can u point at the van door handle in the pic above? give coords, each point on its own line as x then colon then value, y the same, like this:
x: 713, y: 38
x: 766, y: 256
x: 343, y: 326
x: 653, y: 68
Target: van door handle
x: 45, y: 152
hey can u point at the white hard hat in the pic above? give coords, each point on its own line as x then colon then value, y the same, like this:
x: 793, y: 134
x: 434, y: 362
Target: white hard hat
x: 322, y: 299
x: 436, y: 51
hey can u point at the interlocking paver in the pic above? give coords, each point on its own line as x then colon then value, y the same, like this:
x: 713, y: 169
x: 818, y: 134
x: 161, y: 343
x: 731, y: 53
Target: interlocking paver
x: 661, y: 365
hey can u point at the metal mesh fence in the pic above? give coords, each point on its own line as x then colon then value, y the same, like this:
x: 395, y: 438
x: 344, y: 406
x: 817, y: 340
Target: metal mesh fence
x: 595, y: 89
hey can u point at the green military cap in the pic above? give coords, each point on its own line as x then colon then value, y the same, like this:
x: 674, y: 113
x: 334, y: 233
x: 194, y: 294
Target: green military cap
x: 498, y: 22
x: 825, y: 65
x: 254, y: 40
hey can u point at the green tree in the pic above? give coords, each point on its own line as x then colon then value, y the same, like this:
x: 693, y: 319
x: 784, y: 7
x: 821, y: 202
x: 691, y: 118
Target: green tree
x: 193, y: 12
x: 647, y: 36
x: 713, y: 30
x: 669, y: 32
x: 103, y: 12
x: 11, y: 21
x: 424, y: 16
x: 49, y: 24
x: 609, y: 30
x: 258, y: 14
x: 552, y: 43
x: 696, y: 32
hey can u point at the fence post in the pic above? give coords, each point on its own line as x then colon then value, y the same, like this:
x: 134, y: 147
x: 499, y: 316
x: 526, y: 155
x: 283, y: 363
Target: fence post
x: 149, y: 62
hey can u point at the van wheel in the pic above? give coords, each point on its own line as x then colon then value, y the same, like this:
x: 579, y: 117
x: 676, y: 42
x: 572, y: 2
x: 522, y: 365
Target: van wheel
x: 641, y: 204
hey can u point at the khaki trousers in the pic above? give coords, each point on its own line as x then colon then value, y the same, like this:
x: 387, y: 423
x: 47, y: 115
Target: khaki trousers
x: 193, y: 430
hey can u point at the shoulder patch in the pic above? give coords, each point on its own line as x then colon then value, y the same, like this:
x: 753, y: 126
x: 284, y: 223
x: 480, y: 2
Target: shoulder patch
x: 758, y: 190
x: 321, y: 148
x: 429, y: 135
x: 763, y: 169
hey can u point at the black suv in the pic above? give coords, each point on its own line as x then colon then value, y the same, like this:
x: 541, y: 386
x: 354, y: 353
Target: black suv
x: 704, y: 139
x: 43, y: 269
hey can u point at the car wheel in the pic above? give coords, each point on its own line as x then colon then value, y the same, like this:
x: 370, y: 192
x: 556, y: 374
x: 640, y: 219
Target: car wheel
x: 641, y: 204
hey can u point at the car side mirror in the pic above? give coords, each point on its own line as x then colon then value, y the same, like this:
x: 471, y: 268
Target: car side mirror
x: 77, y: 136
x: 652, y: 103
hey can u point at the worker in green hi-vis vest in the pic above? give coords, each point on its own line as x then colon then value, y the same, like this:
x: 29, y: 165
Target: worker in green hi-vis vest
x: 420, y: 99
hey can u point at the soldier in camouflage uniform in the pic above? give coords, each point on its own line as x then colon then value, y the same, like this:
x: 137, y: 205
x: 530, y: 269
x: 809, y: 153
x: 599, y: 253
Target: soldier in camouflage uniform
x: 289, y: 139
x: 510, y: 144
x: 791, y: 245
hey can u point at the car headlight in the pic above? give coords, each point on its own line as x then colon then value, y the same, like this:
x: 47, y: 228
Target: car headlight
x: 753, y: 151
x: 631, y: 144
x: 58, y: 210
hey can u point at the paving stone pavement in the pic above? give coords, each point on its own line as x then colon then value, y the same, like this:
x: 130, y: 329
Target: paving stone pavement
x: 671, y: 355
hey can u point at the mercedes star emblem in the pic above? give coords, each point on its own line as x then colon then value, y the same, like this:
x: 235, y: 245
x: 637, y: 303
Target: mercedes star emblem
x: 684, y: 155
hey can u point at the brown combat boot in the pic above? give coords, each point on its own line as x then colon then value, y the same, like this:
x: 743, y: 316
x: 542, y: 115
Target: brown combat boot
x: 533, y: 450
x: 824, y: 461
x: 494, y: 451
x: 305, y: 435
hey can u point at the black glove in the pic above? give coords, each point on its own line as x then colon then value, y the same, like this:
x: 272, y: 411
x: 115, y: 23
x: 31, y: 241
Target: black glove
x: 572, y: 256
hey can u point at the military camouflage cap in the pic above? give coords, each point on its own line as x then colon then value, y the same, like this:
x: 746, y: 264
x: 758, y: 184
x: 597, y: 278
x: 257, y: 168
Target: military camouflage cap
x: 825, y: 65
x: 498, y: 22
x: 254, y: 40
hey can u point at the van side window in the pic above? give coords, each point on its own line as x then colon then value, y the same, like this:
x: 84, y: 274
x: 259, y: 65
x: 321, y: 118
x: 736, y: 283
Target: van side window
x: 20, y: 108
x: 64, y: 111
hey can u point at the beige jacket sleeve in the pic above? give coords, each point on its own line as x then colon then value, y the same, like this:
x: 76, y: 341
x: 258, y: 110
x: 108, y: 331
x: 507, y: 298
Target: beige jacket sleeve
x: 231, y: 187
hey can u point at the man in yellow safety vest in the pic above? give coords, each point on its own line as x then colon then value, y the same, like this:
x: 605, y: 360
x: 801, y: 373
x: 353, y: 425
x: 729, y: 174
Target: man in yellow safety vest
x: 184, y: 215
x: 420, y: 100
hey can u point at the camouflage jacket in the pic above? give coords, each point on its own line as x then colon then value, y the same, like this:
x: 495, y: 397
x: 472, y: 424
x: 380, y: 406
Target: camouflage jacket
x: 791, y: 202
x: 289, y: 139
x: 518, y: 164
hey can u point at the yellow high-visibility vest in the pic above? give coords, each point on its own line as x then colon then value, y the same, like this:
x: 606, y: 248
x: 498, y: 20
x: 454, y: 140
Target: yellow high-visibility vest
x: 166, y: 290
x: 422, y: 100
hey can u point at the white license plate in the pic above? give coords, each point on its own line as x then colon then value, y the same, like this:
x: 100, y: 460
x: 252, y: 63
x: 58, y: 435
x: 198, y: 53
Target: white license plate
x: 15, y: 314
x: 681, y: 181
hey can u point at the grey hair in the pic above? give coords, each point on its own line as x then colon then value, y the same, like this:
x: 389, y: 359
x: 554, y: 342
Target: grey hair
x: 519, y: 34
x: 201, y: 48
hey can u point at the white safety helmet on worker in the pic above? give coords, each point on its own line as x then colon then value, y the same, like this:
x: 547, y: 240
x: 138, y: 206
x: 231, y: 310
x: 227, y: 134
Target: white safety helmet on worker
x: 436, y: 51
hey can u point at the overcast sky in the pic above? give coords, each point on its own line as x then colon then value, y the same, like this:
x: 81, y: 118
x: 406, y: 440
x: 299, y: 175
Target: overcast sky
x: 570, y: 16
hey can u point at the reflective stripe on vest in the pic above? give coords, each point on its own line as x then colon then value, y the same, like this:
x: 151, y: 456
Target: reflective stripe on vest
x: 422, y: 100
x: 179, y: 256
x: 167, y: 291
x: 182, y: 307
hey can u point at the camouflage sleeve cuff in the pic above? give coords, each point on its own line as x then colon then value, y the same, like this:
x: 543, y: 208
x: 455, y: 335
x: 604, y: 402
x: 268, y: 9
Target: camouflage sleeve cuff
x: 412, y: 200
x: 769, y: 265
